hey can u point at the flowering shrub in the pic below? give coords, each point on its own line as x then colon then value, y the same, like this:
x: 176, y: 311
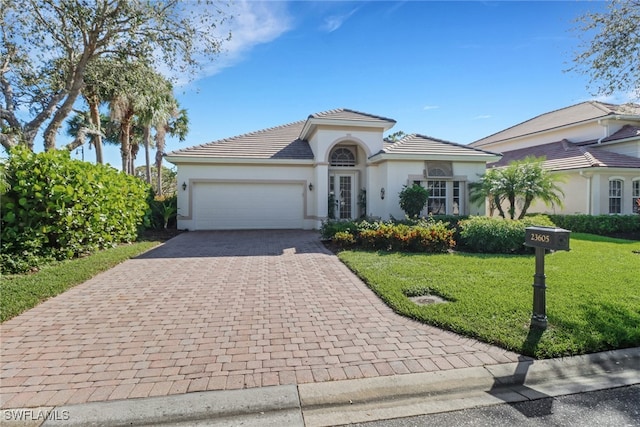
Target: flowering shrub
x: 344, y: 239
x: 426, y: 237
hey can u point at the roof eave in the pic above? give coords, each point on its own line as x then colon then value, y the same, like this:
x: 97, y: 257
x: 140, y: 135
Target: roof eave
x: 313, y: 122
x: 175, y: 159
x: 476, y: 158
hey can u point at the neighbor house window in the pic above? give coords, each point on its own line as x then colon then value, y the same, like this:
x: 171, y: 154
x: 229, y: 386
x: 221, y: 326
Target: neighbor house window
x: 615, y: 196
x: 343, y: 156
x: 635, y: 193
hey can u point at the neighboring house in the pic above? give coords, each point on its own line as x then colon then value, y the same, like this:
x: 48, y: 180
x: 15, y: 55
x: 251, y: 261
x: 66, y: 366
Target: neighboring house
x: 594, y: 145
x: 287, y: 176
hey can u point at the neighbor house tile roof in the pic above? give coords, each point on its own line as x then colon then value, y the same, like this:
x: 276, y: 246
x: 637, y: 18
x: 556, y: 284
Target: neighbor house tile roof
x: 564, y: 155
x: 582, y: 112
x: 627, y: 131
x: 420, y: 144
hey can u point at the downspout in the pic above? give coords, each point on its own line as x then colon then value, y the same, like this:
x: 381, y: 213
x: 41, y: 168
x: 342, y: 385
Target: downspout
x: 606, y: 129
x: 588, y: 177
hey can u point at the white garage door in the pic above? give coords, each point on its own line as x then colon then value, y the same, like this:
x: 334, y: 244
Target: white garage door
x: 235, y: 206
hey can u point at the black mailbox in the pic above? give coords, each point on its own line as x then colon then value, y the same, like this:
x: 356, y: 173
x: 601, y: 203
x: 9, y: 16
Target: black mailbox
x: 553, y: 238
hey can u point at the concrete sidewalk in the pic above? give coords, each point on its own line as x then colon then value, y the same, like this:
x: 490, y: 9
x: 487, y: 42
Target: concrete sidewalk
x: 350, y: 401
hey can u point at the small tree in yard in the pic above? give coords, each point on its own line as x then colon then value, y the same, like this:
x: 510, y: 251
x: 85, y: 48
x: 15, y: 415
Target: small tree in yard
x: 413, y: 199
x: 520, y: 183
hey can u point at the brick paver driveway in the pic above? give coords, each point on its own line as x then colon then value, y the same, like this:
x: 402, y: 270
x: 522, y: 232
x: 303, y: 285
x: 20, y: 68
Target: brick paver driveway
x: 213, y: 311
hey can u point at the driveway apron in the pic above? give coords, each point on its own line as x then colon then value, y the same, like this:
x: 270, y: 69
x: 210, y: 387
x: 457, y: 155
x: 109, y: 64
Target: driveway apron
x: 214, y: 311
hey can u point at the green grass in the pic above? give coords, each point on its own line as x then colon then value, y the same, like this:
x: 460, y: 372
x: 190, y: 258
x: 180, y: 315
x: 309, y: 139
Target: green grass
x: 19, y: 293
x: 593, y: 294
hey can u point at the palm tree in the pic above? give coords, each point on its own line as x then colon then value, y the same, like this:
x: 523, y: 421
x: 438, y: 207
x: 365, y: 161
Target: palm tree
x: 177, y: 125
x: 538, y: 183
x: 160, y: 106
x: 487, y: 188
x: 521, y: 182
x: 131, y: 97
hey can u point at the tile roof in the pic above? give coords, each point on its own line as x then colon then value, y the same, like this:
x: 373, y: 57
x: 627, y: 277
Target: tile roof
x: 627, y: 131
x: 279, y: 142
x: 564, y: 155
x: 565, y: 116
x: 420, y: 144
x: 347, y: 114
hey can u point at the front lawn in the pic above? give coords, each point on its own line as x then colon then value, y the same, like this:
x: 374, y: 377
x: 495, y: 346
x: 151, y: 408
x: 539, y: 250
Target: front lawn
x: 593, y: 294
x: 21, y: 292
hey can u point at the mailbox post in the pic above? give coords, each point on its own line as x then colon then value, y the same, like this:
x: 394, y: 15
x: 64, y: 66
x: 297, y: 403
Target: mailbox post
x: 543, y: 238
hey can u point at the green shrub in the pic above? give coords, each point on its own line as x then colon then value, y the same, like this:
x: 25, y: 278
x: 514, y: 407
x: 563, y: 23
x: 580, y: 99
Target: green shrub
x: 413, y: 199
x: 598, y: 224
x: 497, y: 235
x: 330, y: 227
x: 163, y: 212
x: 58, y: 208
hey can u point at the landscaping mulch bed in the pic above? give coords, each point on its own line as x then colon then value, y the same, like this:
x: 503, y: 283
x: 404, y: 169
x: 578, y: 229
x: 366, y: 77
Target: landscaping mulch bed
x: 162, y: 235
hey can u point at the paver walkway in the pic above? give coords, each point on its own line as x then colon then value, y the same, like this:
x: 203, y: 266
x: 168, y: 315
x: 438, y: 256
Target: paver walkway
x: 214, y: 311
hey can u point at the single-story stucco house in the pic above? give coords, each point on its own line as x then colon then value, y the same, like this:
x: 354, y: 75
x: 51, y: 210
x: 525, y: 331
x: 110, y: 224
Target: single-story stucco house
x: 290, y: 176
x: 594, y: 145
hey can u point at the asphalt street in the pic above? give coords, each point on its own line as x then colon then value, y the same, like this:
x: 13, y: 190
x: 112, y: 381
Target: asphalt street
x: 617, y: 407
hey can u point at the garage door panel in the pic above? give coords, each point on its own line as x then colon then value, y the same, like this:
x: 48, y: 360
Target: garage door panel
x: 226, y: 206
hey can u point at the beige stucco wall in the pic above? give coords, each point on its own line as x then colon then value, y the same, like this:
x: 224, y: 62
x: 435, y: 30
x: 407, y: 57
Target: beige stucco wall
x: 629, y: 148
x: 394, y: 174
x: 587, y: 192
x: 325, y: 137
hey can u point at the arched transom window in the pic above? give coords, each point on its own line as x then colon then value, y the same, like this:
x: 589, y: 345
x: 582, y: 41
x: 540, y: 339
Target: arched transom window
x: 343, y: 156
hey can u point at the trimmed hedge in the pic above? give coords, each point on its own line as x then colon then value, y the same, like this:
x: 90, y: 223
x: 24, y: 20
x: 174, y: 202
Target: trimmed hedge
x: 498, y: 235
x: 598, y: 224
x: 57, y: 208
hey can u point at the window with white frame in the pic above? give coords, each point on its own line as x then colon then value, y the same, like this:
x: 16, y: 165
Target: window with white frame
x: 343, y: 156
x: 615, y: 196
x: 446, y: 196
x: 635, y: 194
x: 437, y: 203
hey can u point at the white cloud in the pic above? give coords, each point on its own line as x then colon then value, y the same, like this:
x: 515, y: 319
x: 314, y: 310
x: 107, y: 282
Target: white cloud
x: 333, y: 22
x: 616, y: 98
x: 253, y: 23
x: 431, y: 107
x: 482, y: 117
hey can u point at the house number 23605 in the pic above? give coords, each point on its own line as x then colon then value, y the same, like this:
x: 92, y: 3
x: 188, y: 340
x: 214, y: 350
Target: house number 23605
x: 543, y: 238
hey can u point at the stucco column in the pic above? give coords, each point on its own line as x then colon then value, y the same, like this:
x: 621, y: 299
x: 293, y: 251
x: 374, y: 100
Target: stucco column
x: 321, y: 190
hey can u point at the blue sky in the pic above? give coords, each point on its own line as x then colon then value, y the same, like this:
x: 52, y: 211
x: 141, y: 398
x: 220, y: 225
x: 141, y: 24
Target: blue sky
x: 452, y: 70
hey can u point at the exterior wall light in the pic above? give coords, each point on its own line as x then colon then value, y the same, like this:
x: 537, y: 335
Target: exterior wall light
x: 382, y: 193
x: 184, y: 186
x: 310, y: 187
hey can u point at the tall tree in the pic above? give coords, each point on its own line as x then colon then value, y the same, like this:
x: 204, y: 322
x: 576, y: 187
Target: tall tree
x: 177, y: 125
x: 134, y: 95
x: 46, y: 46
x: 160, y: 106
x: 611, y: 57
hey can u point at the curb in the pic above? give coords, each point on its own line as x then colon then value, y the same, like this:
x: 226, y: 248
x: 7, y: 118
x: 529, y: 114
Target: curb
x: 352, y: 401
